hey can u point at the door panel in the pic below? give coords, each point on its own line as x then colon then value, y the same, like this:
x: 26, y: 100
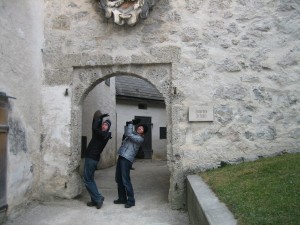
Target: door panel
x: 146, y: 148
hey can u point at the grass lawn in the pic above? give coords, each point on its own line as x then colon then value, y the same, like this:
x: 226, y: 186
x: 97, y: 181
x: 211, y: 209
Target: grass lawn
x: 266, y: 191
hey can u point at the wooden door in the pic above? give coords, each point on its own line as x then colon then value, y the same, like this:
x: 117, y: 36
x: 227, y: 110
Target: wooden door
x: 146, y: 148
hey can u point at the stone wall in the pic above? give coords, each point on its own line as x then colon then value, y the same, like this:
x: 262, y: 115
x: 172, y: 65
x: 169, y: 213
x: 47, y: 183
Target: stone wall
x: 241, y: 57
x: 21, y: 34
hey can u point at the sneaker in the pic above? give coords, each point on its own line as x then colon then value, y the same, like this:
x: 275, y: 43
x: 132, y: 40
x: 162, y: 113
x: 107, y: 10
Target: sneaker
x: 128, y: 205
x: 119, y: 201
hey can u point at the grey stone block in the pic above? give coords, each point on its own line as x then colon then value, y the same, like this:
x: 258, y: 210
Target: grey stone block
x: 204, y: 207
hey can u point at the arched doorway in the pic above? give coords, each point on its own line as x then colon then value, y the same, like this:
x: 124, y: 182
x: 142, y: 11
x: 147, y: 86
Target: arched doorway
x: 136, y: 98
x: 124, y: 98
x: 85, y: 79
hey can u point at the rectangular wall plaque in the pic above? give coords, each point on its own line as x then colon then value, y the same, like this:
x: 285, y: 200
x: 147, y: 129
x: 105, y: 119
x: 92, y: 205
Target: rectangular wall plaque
x: 203, y: 112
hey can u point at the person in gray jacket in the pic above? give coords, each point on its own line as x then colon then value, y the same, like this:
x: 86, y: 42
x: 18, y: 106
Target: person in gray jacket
x: 131, y: 143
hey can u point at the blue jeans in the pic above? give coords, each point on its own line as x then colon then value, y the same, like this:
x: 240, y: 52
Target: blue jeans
x: 90, y: 166
x: 125, y: 189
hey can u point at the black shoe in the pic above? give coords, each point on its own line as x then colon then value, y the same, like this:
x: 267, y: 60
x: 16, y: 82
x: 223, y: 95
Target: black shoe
x: 99, y: 204
x: 128, y: 205
x: 90, y: 204
x: 119, y: 201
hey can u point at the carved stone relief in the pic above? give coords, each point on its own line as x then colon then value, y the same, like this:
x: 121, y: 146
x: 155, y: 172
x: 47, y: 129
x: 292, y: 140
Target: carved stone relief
x: 126, y: 11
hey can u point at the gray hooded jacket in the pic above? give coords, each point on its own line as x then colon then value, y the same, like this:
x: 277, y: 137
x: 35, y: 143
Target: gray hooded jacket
x: 131, y: 143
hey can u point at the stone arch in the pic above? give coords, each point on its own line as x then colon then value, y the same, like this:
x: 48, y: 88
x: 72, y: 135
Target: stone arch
x: 86, y: 78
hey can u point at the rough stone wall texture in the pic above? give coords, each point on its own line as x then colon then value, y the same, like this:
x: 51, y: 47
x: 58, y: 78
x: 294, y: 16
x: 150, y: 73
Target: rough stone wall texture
x: 240, y: 56
x: 21, y: 39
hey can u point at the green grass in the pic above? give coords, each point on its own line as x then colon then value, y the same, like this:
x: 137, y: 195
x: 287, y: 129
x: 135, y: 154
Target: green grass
x: 266, y: 191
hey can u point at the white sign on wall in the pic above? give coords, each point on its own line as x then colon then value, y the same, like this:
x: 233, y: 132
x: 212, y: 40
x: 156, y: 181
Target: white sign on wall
x: 204, y: 112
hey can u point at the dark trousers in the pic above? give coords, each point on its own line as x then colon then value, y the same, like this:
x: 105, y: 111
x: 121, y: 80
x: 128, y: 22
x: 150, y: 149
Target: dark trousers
x: 90, y: 166
x: 125, y: 189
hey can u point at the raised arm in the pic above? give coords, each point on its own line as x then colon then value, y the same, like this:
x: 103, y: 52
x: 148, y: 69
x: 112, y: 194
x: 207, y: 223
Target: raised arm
x: 132, y: 136
x: 96, y: 127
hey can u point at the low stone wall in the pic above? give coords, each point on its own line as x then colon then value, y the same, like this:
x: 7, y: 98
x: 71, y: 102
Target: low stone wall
x: 204, y: 208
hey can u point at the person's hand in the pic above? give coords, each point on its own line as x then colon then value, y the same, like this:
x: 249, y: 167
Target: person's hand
x: 104, y: 115
x: 97, y: 114
x: 128, y: 122
x: 136, y: 121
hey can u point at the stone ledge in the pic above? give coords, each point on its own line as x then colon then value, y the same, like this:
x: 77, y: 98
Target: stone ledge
x: 204, y: 207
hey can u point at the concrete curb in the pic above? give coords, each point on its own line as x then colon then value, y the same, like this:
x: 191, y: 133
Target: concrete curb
x: 204, y: 207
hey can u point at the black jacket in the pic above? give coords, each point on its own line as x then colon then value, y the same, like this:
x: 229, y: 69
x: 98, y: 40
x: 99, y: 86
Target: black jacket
x: 98, y: 141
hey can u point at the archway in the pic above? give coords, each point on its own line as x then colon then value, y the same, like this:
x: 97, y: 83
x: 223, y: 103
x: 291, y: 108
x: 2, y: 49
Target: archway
x: 86, y: 78
x: 136, y: 98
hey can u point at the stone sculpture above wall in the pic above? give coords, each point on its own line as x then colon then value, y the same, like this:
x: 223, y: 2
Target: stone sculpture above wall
x: 126, y: 11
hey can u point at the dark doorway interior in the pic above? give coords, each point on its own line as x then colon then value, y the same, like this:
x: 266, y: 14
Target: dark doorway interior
x: 145, y: 151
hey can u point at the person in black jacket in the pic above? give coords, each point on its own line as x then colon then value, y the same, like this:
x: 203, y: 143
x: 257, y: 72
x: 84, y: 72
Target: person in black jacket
x: 100, y: 137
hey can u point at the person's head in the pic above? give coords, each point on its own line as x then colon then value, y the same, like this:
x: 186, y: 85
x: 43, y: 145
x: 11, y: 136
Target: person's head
x: 141, y: 129
x: 106, y: 125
